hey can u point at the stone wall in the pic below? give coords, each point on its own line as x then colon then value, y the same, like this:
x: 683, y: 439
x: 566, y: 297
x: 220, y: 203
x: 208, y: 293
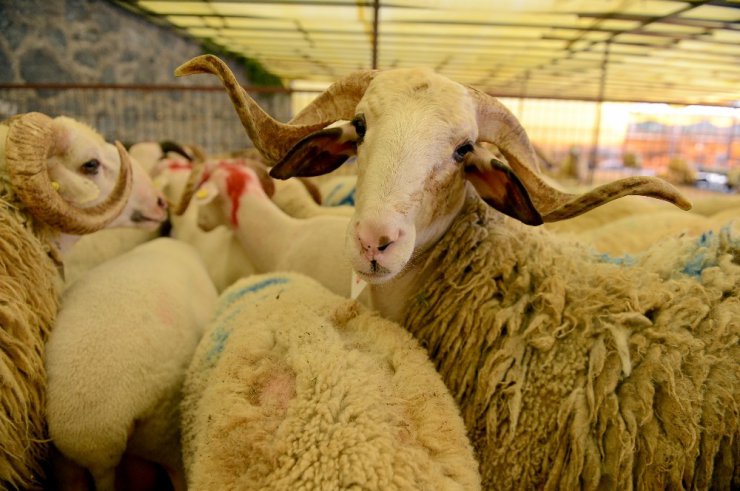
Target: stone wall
x: 98, y: 42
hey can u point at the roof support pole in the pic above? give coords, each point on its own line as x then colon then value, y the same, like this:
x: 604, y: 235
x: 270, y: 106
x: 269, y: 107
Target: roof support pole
x: 594, y: 155
x: 376, y: 14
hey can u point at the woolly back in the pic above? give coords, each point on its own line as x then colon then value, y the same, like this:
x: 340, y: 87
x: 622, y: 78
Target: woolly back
x: 28, y: 306
x: 577, y: 370
x: 294, y: 387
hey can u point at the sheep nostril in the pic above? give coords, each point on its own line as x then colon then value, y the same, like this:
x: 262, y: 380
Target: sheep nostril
x: 161, y: 203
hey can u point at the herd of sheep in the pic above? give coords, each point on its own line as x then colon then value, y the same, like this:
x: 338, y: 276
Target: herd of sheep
x: 440, y: 319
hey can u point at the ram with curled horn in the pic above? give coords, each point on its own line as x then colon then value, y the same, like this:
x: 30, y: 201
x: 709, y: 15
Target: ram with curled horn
x: 34, y: 214
x: 571, y: 369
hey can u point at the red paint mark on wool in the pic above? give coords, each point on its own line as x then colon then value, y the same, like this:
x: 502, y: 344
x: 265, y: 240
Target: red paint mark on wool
x: 178, y: 165
x: 236, y: 182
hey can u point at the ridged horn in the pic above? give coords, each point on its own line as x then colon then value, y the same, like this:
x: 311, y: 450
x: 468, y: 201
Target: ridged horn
x: 195, y: 178
x: 272, y: 138
x: 28, y: 142
x: 497, y: 125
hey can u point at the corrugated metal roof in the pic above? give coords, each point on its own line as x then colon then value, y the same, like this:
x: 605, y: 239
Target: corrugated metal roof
x: 644, y: 50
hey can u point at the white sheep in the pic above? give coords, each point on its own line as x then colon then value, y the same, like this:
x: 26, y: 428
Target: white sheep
x: 293, y: 387
x: 232, y: 195
x: 295, y: 197
x: 221, y: 251
x: 42, y: 197
x: 117, y: 355
x: 571, y: 371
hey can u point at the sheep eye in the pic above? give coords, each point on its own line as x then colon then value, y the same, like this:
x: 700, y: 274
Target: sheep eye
x: 90, y: 167
x: 359, y: 123
x: 461, y: 151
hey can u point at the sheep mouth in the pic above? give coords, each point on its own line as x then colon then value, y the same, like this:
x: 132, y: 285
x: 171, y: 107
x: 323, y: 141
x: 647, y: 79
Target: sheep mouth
x: 376, y: 273
x: 139, y: 217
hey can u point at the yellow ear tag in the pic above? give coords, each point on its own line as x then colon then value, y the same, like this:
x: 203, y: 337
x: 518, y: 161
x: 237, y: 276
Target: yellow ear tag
x: 55, y: 185
x: 202, y: 194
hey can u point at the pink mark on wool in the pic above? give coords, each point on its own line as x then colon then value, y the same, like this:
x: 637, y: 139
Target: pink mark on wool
x: 278, y: 391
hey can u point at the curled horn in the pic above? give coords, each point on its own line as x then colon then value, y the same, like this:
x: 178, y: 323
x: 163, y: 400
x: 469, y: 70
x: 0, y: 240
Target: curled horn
x: 498, y: 126
x: 272, y: 138
x: 28, y: 142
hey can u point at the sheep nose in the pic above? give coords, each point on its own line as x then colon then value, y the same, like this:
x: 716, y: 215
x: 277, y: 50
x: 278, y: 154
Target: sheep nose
x: 376, y: 239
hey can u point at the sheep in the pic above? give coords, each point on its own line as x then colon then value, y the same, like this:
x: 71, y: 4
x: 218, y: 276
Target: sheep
x: 115, y: 365
x: 572, y: 369
x: 232, y: 195
x: 634, y: 234
x: 293, y: 387
x: 295, y: 198
x: 34, y: 213
x: 221, y: 251
x: 149, y: 153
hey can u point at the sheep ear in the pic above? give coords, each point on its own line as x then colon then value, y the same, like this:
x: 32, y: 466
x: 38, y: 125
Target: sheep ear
x: 500, y: 187
x: 205, y: 194
x: 318, y: 153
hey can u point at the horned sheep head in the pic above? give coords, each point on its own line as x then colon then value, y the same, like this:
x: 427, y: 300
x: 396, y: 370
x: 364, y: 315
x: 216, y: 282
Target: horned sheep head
x: 55, y: 183
x: 417, y: 136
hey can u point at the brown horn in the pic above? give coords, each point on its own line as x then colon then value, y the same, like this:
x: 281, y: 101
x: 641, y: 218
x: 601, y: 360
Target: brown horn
x: 497, y: 125
x: 28, y: 141
x: 197, y: 172
x: 272, y: 138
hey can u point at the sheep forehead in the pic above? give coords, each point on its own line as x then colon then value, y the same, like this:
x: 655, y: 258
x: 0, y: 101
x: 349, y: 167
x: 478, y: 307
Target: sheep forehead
x: 423, y: 106
x: 418, y: 87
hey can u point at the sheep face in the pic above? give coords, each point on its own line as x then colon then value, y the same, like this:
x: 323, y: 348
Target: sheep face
x: 410, y: 183
x: 147, y: 206
x: 219, y: 197
x: 86, y: 167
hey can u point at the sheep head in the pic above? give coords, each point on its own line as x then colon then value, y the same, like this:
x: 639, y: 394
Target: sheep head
x: 417, y: 139
x: 217, y: 190
x: 51, y: 174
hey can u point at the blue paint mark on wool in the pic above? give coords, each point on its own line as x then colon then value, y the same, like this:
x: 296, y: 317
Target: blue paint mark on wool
x: 220, y: 335
x: 348, y: 199
x: 625, y: 260
x: 702, y: 259
x: 232, y: 296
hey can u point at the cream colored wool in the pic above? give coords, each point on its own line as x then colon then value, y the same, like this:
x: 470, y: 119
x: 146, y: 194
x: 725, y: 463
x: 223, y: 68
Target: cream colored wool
x: 29, y: 285
x: 293, y: 387
x: 574, y: 371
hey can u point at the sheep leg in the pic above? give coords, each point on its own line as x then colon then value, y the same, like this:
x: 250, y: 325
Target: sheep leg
x: 104, y: 477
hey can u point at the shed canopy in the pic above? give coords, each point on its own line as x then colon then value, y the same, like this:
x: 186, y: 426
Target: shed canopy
x: 642, y: 50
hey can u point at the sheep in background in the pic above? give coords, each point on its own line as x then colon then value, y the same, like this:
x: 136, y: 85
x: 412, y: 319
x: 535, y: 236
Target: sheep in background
x: 570, y: 370
x: 221, y: 251
x: 295, y: 197
x: 633, y: 234
x: 34, y: 214
x: 232, y: 195
x: 293, y: 387
x: 115, y: 364
x: 150, y: 153
x: 225, y: 257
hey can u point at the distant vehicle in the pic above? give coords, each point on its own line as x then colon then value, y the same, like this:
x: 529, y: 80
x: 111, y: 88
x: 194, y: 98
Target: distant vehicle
x: 713, y: 179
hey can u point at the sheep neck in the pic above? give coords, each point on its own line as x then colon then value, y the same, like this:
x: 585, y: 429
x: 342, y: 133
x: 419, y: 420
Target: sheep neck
x: 263, y: 230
